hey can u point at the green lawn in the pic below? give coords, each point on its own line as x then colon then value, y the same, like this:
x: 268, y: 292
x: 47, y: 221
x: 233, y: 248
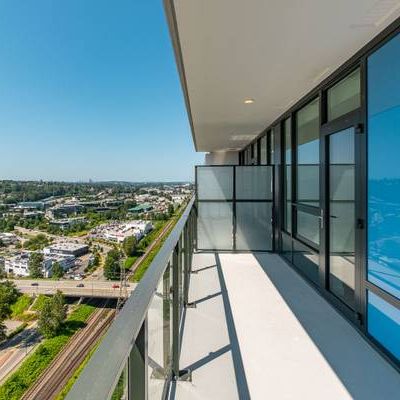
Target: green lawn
x: 20, y: 381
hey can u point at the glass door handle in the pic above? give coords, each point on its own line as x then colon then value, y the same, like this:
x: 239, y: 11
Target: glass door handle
x: 321, y: 219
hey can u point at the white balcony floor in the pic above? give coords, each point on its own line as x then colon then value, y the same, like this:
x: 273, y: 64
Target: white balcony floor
x: 260, y: 331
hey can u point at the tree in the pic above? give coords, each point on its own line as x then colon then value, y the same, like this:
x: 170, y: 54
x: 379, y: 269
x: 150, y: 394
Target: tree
x: 129, y: 246
x: 8, y: 295
x: 52, y: 315
x: 171, y: 210
x: 3, y: 331
x: 36, y: 265
x: 112, y: 268
x: 57, y: 270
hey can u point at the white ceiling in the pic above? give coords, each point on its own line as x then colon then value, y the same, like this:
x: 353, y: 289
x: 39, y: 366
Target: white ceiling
x: 273, y: 51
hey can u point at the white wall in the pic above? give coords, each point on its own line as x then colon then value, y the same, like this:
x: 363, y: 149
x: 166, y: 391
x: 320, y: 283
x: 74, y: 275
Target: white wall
x: 222, y: 158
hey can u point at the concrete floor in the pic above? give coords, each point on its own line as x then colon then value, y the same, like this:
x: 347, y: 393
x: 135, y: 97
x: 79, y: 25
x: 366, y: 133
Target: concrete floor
x: 260, y: 331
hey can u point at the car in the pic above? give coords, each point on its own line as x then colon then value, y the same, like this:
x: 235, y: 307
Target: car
x: 80, y: 285
x: 34, y: 284
x: 115, y: 286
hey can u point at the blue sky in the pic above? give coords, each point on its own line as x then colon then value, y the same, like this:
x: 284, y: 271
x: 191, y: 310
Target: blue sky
x: 89, y: 90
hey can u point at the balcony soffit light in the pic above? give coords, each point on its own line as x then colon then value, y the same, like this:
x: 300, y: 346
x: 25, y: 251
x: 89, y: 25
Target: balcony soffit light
x: 248, y: 101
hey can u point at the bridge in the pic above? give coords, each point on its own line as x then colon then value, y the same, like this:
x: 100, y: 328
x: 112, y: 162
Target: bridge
x: 71, y: 288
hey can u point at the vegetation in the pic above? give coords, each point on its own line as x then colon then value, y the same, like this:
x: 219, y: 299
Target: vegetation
x: 39, y: 302
x: 20, y: 306
x: 8, y: 296
x: 37, y: 242
x: 52, y: 315
x: 112, y: 267
x: 75, y: 376
x: 34, y: 364
x: 36, y: 265
x: 57, y: 271
x: 129, y: 262
x: 129, y: 246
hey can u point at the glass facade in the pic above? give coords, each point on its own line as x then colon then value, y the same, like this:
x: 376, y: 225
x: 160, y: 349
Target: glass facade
x: 338, y: 210
x: 344, y: 96
x: 287, y: 190
x: 383, y: 167
x: 307, y: 140
x: 263, y: 150
x: 342, y: 215
x: 384, y: 323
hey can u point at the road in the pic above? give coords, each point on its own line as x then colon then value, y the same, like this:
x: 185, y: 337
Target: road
x: 69, y: 287
x: 15, y: 350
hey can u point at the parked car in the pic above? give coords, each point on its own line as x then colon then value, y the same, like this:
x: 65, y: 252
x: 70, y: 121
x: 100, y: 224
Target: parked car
x: 115, y: 286
x: 80, y: 285
x: 34, y: 284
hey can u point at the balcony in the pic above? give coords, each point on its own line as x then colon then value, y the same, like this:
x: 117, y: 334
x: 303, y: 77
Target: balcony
x: 229, y: 325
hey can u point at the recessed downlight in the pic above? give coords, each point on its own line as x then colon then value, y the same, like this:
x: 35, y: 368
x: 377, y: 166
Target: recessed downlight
x: 248, y: 101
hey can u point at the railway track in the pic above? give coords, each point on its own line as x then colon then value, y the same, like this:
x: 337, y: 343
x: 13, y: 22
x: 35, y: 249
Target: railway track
x: 57, y: 374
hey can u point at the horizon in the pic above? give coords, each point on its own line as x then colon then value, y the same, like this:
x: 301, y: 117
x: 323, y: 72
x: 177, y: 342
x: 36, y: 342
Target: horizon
x: 91, y: 91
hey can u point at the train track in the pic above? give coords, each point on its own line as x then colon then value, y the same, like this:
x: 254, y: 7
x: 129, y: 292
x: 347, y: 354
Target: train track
x: 57, y: 374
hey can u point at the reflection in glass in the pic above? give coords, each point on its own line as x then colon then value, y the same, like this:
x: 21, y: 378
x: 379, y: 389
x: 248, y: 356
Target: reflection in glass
x: 383, y: 167
x: 342, y: 215
x: 308, y: 226
x: 215, y: 229
x: 272, y: 146
x: 384, y: 323
x: 253, y: 226
x: 306, y: 261
x: 121, y: 389
x: 344, y: 96
x: 215, y: 183
x: 287, y: 193
x: 287, y: 247
x: 308, y: 154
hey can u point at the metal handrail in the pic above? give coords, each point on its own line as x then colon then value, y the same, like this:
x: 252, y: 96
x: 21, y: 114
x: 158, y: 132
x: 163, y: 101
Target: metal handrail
x: 100, y: 376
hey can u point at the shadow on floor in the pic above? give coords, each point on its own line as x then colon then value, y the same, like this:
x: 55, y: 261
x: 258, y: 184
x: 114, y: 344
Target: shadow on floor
x: 233, y: 346
x: 364, y: 373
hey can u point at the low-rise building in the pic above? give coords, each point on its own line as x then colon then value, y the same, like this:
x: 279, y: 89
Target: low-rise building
x: 8, y: 238
x: 19, y: 264
x: 67, y: 248
x: 68, y: 222
x: 118, y: 232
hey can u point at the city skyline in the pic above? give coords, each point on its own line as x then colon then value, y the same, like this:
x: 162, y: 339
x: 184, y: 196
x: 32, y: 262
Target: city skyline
x: 91, y: 91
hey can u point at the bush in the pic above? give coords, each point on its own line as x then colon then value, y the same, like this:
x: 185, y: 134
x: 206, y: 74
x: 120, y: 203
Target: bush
x: 20, y: 306
x: 39, y: 302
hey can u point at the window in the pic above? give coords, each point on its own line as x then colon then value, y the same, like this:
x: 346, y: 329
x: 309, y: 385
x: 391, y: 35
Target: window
x: 383, y: 167
x: 344, y: 96
x: 263, y: 150
x: 308, y: 154
x: 271, y: 146
x: 287, y: 192
x: 255, y: 157
x: 384, y: 323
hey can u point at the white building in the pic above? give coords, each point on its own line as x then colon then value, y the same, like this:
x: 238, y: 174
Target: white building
x: 8, y: 238
x: 118, y: 232
x: 19, y: 264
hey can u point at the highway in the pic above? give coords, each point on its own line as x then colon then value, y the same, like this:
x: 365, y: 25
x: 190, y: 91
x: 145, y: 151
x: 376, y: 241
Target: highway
x: 70, y: 287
